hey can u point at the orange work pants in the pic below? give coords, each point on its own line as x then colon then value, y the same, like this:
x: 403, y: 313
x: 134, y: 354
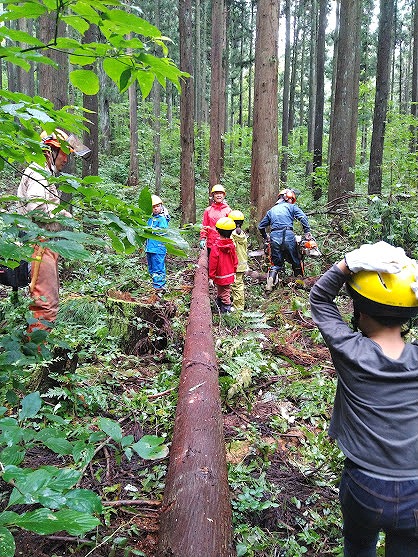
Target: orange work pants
x: 45, y: 290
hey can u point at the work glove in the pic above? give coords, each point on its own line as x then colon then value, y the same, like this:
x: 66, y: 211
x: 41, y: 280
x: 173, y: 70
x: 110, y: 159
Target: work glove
x: 379, y: 257
x: 308, y: 236
x: 202, y: 244
x: 210, y: 282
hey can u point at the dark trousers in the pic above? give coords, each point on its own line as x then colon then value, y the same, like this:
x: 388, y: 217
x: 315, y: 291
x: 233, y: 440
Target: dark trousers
x: 284, y: 248
x: 370, y: 505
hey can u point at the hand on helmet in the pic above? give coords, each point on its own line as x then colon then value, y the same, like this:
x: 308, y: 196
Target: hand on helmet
x: 202, y: 244
x: 380, y: 257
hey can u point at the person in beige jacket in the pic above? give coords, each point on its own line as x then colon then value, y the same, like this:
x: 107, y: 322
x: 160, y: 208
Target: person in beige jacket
x: 37, y: 195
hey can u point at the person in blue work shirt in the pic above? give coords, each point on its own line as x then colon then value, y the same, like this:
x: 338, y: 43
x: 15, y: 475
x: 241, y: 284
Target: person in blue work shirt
x: 282, y: 240
x: 156, y: 251
x: 375, y: 416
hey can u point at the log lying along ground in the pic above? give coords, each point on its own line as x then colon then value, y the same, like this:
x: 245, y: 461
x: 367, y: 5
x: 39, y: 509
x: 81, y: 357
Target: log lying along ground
x: 196, y: 511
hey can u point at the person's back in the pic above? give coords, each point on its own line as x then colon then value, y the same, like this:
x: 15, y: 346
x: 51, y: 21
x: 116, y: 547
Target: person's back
x: 223, y: 262
x: 375, y: 415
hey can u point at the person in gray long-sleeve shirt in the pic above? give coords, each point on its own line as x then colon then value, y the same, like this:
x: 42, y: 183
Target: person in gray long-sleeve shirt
x: 375, y: 415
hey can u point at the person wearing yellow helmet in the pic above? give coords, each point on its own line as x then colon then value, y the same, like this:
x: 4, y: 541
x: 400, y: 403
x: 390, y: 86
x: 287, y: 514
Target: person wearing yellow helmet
x: 219, y: 208
x: 282, y: 241
x: 155, y: 250
x: 223, y: 262
x: 239, y: 237
x: 375, y: 415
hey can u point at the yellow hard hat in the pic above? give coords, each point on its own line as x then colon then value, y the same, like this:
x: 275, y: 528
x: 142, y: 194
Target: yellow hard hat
x: 217, y: 188
x: 236, y: 215
x: 155, y: 200
x: 225, y: 223
x: 385, y: 294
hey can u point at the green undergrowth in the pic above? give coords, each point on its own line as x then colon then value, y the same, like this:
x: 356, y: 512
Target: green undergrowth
x: 99, y: 412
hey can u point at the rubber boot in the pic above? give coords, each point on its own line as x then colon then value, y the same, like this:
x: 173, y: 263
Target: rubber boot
x: 225, y: 308
x: 272, y: 279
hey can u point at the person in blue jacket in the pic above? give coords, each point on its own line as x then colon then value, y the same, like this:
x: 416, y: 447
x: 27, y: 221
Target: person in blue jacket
x: 282, y: 241
x: 156, y: 251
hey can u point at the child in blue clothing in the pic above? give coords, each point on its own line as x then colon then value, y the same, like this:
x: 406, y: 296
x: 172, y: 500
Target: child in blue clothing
x: 155, y: 250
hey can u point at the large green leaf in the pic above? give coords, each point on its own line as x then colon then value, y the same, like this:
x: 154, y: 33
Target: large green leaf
x: 11, y: 455
x: 111, y: 428
x: 69, y: 249
x: 84, y: 500
x: 85, y: 80
x: 31, y: 405
x: 44, y: 522
x: 7, y: 543
x: 151, y: 447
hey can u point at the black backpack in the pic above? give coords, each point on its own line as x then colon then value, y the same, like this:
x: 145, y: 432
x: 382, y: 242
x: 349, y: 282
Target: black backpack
x: 16, y: 278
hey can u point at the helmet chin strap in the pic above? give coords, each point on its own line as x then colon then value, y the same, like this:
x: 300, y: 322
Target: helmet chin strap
x: 355, y: 320
x: 51, y: 158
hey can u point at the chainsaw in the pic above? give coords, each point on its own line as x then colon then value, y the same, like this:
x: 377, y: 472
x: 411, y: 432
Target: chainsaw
x: 307, y: 247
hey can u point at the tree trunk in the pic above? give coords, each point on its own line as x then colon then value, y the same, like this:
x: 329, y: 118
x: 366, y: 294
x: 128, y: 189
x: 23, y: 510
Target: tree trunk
x: 156, y: 103
x: 264, y: 163
x: 52, y: 82
x: 319, y: 94
x: 286, y: 89
x: 91, y: 137
x: 187, y: 179
x: 381, y: 97
x: 217, y: 93
x: 344, y: 118
x: 312, y: 86
x: 133, y: 177
x: 413, y: 146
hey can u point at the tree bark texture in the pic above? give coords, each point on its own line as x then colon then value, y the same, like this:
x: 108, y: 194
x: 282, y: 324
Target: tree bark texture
x: 53, y: 82
x: 319, y: 92
x: 91, y: 102
x: 344, y: 118
x: 384, y: 47
x: 187, y: 179
x: 264, y: 165
x: 217, y: 92
x: 196, y: 511
x: 414, y: 89
x: 285, y: 101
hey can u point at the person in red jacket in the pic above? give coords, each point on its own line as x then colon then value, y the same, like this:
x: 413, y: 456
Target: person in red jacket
x: 211, y: 215
x: 223, y: 263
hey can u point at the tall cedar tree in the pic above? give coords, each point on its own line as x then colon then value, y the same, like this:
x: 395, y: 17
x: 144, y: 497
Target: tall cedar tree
x: 264, y: 163
x: 187, y: 180
x: 217, y: 92
x: 345, y: 109
x: 381, y: 97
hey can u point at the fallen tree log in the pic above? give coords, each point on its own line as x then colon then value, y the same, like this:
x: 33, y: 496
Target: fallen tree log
x: 196, y: 512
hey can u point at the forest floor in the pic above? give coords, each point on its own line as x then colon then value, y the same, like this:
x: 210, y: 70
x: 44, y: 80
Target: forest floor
x: 130, y: 526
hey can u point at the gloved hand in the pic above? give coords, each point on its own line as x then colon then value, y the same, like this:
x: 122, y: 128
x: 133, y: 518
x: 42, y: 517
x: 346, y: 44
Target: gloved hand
x: 210, y: 282
x: 308, y: 236
x: 202, y: 244
x: 380, y: 257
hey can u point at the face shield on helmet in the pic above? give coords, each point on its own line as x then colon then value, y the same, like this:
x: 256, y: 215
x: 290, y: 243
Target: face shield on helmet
x: 384, y: 294
x: 59, y: 138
